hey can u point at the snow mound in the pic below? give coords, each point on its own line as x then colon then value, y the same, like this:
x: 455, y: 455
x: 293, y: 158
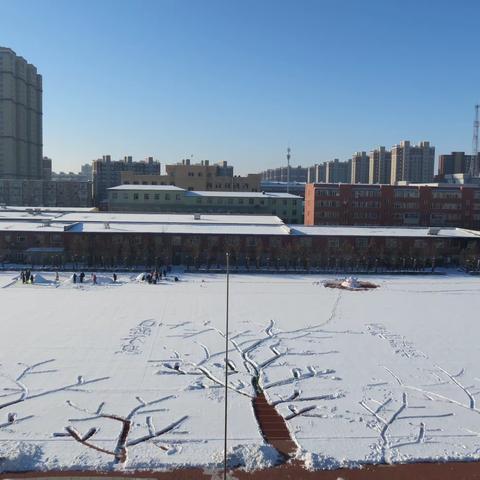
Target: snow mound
x: 252, y: 457
x: 318, y: 461
x: 140, y: 277
x: 103, y: 279
x: 19, y: 456
x: 351, y: 282
x: 41, y: 280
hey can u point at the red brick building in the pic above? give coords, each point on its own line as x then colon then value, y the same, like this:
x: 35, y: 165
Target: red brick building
x: 408, y: 205
x: 96, y: 240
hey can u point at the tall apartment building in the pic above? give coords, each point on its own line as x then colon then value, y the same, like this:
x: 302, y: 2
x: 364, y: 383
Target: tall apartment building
x: 380, y: 170
x: 412, y: 163
x: 198, y: 176
x: 360, y: 167
x: 21, y: 143
x: 338, y: 172
x: 280, y: 174
x: 46, y: 168
x: 317, y: 173
x: 455, y: 162
x: 106, y: 173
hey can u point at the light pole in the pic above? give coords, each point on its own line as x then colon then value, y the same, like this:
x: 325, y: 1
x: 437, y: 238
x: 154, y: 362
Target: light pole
x: 226, y: 369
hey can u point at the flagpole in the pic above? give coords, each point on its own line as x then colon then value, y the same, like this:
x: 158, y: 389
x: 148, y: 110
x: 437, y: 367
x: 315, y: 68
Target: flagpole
x: 226, y: 370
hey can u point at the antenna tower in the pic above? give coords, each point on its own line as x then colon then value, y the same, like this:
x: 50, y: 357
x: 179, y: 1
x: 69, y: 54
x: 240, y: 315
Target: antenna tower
x: 288, y: 169
x: 474, y: 167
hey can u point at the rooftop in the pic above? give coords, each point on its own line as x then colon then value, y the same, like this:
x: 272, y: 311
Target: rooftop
x: 195, y: 193
x: 109, y: 222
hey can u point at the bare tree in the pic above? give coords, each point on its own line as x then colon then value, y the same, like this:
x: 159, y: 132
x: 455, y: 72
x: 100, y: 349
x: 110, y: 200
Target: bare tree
x: 120, y: 450
x: 19, y: 391
x: 390, y: 411
x: 251, y: 357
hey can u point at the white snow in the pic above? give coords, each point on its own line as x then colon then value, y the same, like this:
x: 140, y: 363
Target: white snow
x: 385, y: 375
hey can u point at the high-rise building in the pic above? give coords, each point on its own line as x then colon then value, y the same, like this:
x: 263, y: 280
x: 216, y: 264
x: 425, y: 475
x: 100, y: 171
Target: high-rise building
x: 380, y: 166
x: 317, y: 173
x: 360, y: 167
x: 21, y: 145
x: 47, y: 168
x: 282, y: 174
x: 455, y: 162
x: 338, y: 172
x: 412, y: 163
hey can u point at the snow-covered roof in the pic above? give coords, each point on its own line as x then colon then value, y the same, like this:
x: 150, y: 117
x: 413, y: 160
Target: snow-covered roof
x: 200, y: 193
x: 358, y: 231
x: 194, y: 193
x: 129, y: 187
x: 97, y: 222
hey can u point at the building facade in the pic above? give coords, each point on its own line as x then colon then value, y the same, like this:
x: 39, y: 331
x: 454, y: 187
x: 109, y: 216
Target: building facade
x: 171, y: 199
x: 79, y: 240
x: 106, y: 173
x: 317, y: 173
x: 21, y: 138
x: 455, y: 163
x: 282, y: 174
x: 360, y: 167
x: 410, y: 205
x: 380, y: 170
x: 45, y: 193
x: 338, y: 172
x: 47, y: 168
x: 412, y: 163
x: 201, y: 176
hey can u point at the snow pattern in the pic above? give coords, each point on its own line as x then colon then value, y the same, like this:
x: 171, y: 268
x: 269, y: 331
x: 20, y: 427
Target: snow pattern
x: 130, y: 375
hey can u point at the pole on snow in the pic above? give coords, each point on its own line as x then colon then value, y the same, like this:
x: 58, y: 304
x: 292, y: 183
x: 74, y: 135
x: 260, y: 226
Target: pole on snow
x: 226, y: 370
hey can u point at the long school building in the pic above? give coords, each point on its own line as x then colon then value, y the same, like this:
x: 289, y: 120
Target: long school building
x: 127, y: 240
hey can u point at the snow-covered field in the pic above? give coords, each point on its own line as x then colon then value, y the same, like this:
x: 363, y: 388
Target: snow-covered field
x: 129, y: 375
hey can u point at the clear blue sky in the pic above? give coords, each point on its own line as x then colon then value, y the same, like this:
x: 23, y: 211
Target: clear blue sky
x: 239, y: 80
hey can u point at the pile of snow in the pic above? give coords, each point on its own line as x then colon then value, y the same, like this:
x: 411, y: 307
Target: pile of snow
x: 103, y: 279
x: 351, y: 282
x: 250, y: 457
x: 140, y: 277
x: 41, y: 280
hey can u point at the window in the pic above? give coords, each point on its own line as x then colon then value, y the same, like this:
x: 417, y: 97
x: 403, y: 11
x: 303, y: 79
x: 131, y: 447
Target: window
x: 419, y: 243
x: 250, y: 201
x: 391, y: 243
x: 333, y: 242
x: 167, y: 196
x: 177, y: 196
x: 135, y: 196
x: 114, y: 195
x: 156, y: 196
x: 146, y: 196
x: 240, y: 201
x: 361, y: 242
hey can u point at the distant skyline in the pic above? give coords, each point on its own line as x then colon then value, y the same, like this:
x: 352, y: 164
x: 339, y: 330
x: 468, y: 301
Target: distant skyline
x: 242, y: 80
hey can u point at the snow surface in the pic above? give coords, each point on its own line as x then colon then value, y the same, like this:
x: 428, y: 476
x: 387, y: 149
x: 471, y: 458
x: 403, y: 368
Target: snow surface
x: 380, y: 376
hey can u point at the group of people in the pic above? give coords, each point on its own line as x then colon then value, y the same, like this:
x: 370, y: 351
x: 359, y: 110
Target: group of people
x: 27, y: 276
x: 81, y: 278
x: 155, y: 276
